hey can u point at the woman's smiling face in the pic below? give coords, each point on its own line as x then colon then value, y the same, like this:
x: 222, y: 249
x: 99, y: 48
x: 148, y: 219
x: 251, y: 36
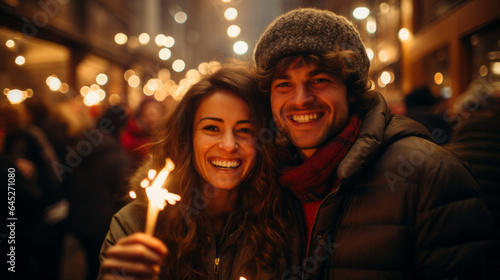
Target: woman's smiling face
x: 223, y: 142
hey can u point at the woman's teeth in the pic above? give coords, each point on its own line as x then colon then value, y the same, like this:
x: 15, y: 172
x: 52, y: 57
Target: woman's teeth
x: 225, y: 164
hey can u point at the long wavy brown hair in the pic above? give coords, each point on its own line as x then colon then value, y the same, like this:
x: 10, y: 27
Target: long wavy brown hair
x: 184, y: 227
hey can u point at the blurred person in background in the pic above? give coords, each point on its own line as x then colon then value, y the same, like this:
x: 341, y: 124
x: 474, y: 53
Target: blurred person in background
x: 40, y: 207
x: 476, y: 138
x: 140, y: 128
x: 423, y: 107
x: 97, y: 187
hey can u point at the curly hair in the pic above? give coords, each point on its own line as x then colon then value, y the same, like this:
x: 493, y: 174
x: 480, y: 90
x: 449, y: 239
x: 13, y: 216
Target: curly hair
x: 338, y: 63
x: 259, y: 194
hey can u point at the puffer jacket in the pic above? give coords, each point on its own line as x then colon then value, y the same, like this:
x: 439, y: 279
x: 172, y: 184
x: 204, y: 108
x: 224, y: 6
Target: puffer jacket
x: 225, y: 261
x: 405, y: 208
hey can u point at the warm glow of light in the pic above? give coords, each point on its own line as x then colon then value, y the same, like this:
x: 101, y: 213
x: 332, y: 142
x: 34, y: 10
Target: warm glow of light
x: 101, y: 94
x: 438, y: 78
x: 371, y: 25
x: 160, y: 95
x: 369, y: 53
x: 384, y: 7
x: 147, y: 91
x: 134, y: 81
x: 233, y: 31
x: 94, y: 87
x: 164, y: 54
x: 403, y: 34
x: 158, y: 196
x: 29, y: 93
x: 169, y: 41
x: 483, y: 70
x: 164, y: 74
x: 178, y: 65
x: 154, y: 84
x: 54, y: 83
x: 180, y: 17
x: 15, y: 96
x: 385, y: 77
x: 121, y: 39
x: 160, y: 40
x: 226, y: 1
x: 242, y: 278
x: 203, y: 68
x: 132, y: 194
x: 91, y: 99
x: 383, y: 55
x: 10, y: 43
x: 495, y: 68
x: 361, y: 12
x: 64, y: 88
x: 380, y: 83
x: 240, y: 47
x: 114, y: 99
x: 129, y: 73
x: 144, y: 38
x: 20, y: 60
x: 84, y: 90
x: 231, y: 14
x: 101, y: 79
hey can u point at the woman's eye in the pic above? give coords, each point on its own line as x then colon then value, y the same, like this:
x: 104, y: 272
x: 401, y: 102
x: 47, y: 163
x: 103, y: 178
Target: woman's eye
x: 284, y: 84
x: 211, y: 128
x: 245, y: 130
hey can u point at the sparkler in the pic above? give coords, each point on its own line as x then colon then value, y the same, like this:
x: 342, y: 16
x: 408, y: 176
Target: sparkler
x: 158, y: 196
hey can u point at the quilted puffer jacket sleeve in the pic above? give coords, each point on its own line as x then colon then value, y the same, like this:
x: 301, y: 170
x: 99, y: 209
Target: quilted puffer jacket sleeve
x: 455, y: 234
x: 125, y: 222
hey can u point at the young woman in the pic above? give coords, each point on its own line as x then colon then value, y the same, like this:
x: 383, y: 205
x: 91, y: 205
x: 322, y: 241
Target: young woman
x: 229, y: 222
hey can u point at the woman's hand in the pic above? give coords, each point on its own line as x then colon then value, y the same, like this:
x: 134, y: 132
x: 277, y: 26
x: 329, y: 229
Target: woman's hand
x: 137, y: 256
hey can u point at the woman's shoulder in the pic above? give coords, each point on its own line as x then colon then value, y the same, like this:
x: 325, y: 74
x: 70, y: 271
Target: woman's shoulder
x: 130, y: 218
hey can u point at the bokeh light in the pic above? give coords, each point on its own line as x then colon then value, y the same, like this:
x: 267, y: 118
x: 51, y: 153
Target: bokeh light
x: 121, y: 39
x: 178, y: 65
x: 180, y: 17
x: 20, y: 60
x: 101, y: 79
x: 240, y: 47
x: 233, y: 31
x: 231, y: 14
x: 144, y: 38
x: 361, y: 12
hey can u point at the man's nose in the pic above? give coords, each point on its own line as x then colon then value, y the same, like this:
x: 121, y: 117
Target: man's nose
x: 302, y: 96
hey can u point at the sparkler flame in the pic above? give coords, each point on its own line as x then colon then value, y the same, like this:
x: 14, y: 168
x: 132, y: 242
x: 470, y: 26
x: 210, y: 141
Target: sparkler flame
x: 158, y: 196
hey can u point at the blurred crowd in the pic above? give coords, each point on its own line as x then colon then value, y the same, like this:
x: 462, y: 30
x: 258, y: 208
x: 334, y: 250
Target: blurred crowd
x: 72, y: 164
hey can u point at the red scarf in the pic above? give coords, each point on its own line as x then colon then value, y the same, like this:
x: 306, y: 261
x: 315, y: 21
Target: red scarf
x: 314, y: 179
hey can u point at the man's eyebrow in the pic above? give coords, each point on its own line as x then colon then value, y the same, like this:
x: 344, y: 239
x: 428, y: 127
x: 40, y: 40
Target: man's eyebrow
x: 316, y: 72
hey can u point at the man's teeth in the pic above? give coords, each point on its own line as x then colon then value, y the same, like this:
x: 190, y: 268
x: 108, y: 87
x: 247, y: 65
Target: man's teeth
x: 226, y: 164
x: 305, y: 118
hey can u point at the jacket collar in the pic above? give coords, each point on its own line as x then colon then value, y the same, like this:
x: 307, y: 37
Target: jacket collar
x: 379, y: 128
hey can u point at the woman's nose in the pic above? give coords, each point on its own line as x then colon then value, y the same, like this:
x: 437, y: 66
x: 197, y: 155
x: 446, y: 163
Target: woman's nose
x: 228, y: 142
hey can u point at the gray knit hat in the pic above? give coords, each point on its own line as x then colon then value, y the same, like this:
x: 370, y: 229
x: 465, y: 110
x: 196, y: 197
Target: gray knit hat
x: 308, y: 30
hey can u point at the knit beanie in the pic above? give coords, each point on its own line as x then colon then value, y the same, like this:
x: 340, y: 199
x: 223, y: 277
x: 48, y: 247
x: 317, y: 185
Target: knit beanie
x: 309, y: 30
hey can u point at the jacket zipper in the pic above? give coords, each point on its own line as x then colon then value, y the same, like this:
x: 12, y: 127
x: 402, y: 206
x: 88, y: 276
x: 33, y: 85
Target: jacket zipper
x: 312, y: 228
x: 216, y: 267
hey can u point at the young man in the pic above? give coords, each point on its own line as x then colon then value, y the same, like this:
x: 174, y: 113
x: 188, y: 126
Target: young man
x: 377, y: 198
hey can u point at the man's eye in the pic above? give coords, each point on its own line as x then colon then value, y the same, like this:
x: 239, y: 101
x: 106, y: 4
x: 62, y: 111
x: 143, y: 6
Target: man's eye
x: 283, y: 84
x: 319, y: 81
